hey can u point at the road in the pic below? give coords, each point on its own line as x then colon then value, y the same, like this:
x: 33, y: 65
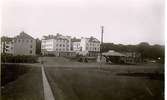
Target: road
x: 70, y: 80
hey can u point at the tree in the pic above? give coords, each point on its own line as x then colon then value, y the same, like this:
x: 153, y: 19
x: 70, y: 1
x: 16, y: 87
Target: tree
x: 146, y: 50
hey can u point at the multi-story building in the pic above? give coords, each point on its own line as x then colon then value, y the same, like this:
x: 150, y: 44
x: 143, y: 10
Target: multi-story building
x: 6, y: 45
x: 91, y: 45
x: 58, y: 45
x: 76, y: 44
x: 9, y: 47
x: 87, y: 46
x: 65, y: 45
x: 22, y: 44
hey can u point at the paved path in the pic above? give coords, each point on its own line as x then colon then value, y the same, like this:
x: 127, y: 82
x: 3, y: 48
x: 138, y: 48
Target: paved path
x: 48, y: 95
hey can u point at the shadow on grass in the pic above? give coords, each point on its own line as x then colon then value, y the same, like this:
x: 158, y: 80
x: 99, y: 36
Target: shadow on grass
x: 153, y: 76
x: 10, y: 72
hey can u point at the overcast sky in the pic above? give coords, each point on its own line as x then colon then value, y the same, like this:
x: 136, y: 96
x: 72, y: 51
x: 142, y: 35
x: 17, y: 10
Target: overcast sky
x: 124, y: 21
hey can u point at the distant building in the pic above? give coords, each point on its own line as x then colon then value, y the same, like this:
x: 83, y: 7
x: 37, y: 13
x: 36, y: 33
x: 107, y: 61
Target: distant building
x: 57, y: 45
x: 76, y: 44
x: 22, y: 44
x: 126, y: 57
x: 65, y: 45
x: 90, y: 45
x: 6, y: 45
x: 132, y: 58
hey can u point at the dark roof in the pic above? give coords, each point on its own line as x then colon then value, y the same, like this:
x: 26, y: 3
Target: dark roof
x: 92, y: 39
x: 58, y: 36
x: 23, y: 35
x: 75, y: 40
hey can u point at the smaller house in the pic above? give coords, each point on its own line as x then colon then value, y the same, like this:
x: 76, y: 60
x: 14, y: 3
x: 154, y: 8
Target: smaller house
x: 127, y: 58
x: 114, y: 57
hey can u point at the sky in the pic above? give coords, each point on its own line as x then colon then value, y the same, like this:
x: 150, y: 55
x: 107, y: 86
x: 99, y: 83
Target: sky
x: 124, y: 21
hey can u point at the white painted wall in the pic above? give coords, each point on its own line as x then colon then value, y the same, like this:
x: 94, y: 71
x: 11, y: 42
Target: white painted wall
x: 59, y: 45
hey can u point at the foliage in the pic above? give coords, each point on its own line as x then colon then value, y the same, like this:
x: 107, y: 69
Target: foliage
x: 8, y: 58
x: 147, y: 51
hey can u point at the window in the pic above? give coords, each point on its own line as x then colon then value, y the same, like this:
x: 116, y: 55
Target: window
x: 30, y: 46
x: 27, y: 41
x: 19, y: 40
x: 63, y: 45
x: 31, y: 41
x: 60, y: 45
x: 11, y: 47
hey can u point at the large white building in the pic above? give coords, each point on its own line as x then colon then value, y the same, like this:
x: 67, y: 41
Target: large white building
x: 87, y: 46
x: 22, y: 44
x: 57, y: 45
x: 90, y: 44
x: 65, y: 45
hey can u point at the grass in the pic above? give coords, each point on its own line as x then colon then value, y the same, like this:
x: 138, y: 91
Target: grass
x: 94, y: 84
x: 12, y: 72
x: 27, y: 86
x: 72, y: 80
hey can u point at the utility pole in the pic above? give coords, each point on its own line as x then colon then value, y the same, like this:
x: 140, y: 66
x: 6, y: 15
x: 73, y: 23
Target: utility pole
x: 101, y: 45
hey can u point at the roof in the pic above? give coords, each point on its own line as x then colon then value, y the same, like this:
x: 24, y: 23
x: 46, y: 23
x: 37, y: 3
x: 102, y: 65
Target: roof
x: 113, y: 53
x: 75, y: 40
x: 23, y: 35
x: 92, y: 39
x: 58, y: 36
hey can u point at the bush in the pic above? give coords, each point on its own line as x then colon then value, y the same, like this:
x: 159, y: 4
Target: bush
x: 18, y: 59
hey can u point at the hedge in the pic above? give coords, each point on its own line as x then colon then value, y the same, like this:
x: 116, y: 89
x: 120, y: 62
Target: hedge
x: 18, y: 59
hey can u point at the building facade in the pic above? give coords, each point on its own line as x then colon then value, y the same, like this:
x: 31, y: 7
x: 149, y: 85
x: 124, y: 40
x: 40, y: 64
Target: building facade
x: 22, y: 44
x: 7, y: 47
x: 126, y: 57
x: 90, y: 45
x: 57, y: 45
x: 65, y: 45
x: 76, y: 44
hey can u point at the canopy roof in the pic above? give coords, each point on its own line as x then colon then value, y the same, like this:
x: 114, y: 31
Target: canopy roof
x: 113, y: 53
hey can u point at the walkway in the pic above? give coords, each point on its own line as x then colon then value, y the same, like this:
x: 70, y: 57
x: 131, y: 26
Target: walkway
x: 48, y: 95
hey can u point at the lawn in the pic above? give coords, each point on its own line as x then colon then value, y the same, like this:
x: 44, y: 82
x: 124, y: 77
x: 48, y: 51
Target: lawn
x: 83, y: 83
x: 26, y: 86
